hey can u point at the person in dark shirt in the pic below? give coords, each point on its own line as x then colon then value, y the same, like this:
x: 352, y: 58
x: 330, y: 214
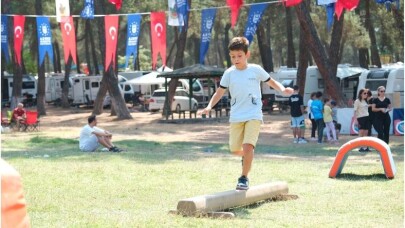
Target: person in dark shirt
x: 297, y: 118
x: 382, y: 120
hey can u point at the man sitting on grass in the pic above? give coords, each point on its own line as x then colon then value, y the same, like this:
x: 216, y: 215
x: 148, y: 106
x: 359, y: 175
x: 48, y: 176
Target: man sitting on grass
x: 91, y: 137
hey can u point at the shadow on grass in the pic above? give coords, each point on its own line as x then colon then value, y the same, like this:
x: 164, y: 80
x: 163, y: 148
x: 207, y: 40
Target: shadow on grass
x: 357, y: 177
x: 244, y: 211
x: 54, y: 149
x: 151, y: 151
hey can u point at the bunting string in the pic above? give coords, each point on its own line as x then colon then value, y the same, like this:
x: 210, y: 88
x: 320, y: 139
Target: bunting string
x: 148, y: 13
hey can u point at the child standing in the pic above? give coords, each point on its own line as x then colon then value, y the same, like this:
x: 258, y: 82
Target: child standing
x: 327, y: 118
x: 243, y: 81
x: 317, y: 110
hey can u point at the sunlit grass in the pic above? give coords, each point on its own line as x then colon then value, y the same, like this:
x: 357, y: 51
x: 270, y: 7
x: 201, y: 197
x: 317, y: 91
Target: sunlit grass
x: 137, y: 188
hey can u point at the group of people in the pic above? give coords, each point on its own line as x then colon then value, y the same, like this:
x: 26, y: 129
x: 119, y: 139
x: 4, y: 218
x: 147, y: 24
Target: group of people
x: 243, y: 81
x: 373, y: 112
x: 321, y: 114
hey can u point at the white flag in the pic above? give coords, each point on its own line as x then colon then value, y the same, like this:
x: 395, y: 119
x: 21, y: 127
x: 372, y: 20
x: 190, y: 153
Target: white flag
x: 62, y: 9
x: 173, y: 18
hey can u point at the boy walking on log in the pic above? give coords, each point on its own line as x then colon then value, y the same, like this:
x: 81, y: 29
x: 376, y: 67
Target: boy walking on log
x: 243, y: 81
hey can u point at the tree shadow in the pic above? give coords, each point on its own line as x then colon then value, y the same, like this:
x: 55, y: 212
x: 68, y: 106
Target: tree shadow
x: 244, y: 211
x: 362, y: 177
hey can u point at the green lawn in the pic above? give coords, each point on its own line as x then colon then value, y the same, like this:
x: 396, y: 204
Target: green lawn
x: 137, y: 188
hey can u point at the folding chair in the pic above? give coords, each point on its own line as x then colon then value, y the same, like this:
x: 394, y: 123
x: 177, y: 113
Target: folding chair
x: 31, y: 122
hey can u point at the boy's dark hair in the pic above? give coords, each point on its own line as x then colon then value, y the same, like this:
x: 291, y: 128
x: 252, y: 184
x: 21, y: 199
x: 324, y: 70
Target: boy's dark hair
x: 239, y: 44
x: 326, y: 100
x: 91, y: 119
x: 296, y: 87
x: 318, y: 94
x: 313, y: 94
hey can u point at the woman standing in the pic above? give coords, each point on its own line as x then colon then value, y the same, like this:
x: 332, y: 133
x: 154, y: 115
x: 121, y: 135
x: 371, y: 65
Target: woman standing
x: 382, y: 120
x: 311, y: 116
x: 361, y: 112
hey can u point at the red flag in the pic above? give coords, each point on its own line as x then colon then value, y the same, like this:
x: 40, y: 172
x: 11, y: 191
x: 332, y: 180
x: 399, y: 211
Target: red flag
x: 235, y: 6
x: 117, y: 3
x: 290, y: 3
x: 69, y: 38
x: 345, y: 4
x: 111, y: 37
x: 18, y: 36
x: 158, y: 30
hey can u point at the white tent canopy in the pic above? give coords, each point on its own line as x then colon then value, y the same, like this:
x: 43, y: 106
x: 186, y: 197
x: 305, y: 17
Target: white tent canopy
x: 151, y: 78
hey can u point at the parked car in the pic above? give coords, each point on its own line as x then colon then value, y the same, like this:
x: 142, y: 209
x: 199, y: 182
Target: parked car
x: 181, y: 101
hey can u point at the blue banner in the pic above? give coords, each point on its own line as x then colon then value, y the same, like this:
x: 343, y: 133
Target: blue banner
x: 182, y: 10
x: 44, y: 39
x: 330, y: 11
x: 4, y: 38
x: 255, y: 14
x: 207, y: 22
x: 133, y: 29
x: 88, y: 10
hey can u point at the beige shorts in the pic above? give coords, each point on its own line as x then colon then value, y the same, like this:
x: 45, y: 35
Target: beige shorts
x: 243, y: 133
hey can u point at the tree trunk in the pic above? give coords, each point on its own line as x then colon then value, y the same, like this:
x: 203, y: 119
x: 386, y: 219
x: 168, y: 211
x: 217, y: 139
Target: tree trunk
x: 363, y: 57
x: 334, y: 47
x: 264, y: 46
x: 76, y: 21
x: 226, y: 43
x: 314, y: 44
x: 302, y: 62
x: 41, y: 71
x: 87, y: 48
x: 65, y: 89
x: 56, y: 58
x: 290, y: 43
x: 109, y: 81
x: 93, y: 52
x: 375, y: 56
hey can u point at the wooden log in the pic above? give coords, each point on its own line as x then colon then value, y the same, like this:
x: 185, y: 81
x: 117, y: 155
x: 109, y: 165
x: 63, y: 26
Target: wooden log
x: 223, y: 200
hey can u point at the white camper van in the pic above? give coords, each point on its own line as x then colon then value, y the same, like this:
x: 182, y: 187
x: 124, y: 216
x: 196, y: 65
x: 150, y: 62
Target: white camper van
x: 391, y: 77
x: 85, y: 88
x: 348, y: 78
x: 54, y: 85
x: 29, y: 86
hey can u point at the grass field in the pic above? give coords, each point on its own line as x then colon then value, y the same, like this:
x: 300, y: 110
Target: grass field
x: 137, y: 188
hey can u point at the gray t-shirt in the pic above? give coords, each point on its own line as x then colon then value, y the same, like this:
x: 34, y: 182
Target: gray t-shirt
x: 244, y: 88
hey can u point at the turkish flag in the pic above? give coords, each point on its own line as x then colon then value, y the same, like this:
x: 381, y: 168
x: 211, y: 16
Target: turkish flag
x: 235, y: 6
x: 158, y: 30
x: 69, y: 38
x: 19, y: 21
x: 111, y: 38
x: 345, y: 4
x: 290, y: 3
x: 117, y: 3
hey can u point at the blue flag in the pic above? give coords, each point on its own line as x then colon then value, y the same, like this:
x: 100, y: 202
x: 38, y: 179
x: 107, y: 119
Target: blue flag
x: 4, y: 38
x: 44, y: 39
x: 133, y: 29
x: 207, y: 22
x: 182, y: 10
x: 88, y: 10
x: 330, y: 11
x: 255, y: 14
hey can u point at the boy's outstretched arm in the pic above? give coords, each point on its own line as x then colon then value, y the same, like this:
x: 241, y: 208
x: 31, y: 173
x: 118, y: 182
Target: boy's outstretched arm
x: 214, y: 100
x: 279, y: 87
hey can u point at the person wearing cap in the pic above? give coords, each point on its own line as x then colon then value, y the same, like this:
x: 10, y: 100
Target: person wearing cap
x: 296, y: 103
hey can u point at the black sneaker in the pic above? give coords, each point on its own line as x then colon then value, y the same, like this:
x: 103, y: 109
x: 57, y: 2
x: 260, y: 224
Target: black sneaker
x: 243, y: 183
x: 362, y: 150
x: 115, y: 149
x: 367, y: 149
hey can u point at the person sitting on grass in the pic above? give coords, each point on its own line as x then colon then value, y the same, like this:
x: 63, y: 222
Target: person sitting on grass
x: 91, y: 137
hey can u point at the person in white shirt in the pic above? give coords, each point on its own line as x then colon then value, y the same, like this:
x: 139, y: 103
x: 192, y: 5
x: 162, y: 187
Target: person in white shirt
x: 243, y: 82
x: 91, y: 137
x: 361, y: 112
